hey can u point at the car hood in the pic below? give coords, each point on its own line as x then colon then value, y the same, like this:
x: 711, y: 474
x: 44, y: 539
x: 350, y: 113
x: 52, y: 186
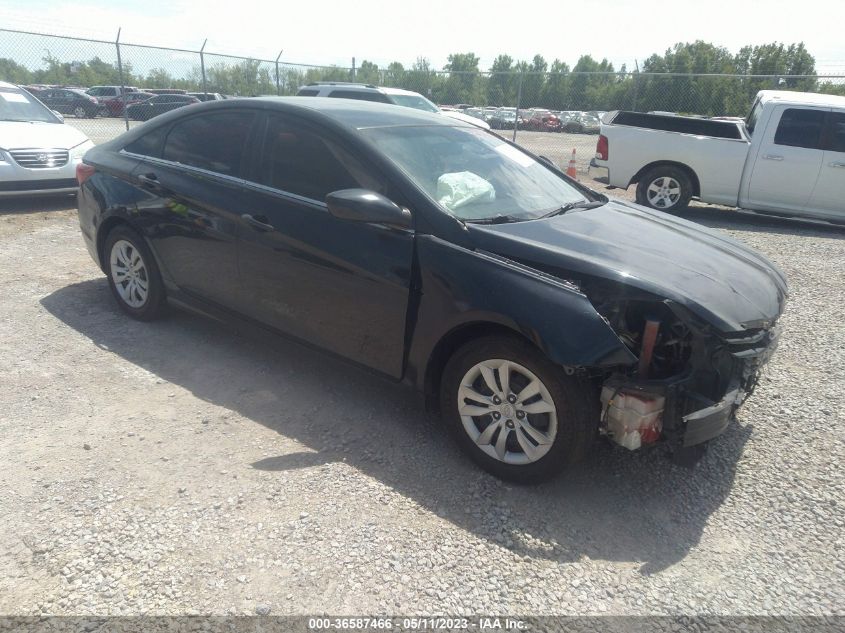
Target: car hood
x: 21, y: 135
x: 724, y: 282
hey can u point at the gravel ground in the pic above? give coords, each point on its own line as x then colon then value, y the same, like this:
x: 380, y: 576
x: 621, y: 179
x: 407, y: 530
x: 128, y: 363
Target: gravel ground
x: 175, y: 467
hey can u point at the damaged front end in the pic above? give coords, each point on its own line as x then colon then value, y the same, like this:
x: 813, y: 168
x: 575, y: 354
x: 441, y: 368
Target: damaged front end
x: 690, y: 378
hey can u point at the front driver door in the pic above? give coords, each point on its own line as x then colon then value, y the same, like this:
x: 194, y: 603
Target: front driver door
x: 828, y: 199
x: 788, y: 160
x: 338, y: 284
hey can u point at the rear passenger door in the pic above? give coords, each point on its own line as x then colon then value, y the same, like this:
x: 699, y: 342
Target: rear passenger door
x: 338, y: 284
x: 191, y: 173
x: 828, y: 199
x: 788, y: 160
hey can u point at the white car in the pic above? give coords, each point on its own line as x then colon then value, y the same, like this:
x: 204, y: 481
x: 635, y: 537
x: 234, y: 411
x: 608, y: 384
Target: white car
x: 396, y: 96
x: 38, y: 152
x: 787, y: 158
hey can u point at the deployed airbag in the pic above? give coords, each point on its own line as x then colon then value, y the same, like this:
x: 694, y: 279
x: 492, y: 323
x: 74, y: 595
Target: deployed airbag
x: 458, y: 189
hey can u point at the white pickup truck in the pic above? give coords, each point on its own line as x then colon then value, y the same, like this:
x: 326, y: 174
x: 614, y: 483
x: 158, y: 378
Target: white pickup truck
x: 787, y: 157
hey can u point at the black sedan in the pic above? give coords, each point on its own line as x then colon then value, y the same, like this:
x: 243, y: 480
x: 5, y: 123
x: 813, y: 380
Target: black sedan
x: 70, y: 101
x: 532, y: 312
x: 146, y: 110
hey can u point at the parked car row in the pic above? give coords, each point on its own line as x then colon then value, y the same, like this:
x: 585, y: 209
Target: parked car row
x: 539, y: 119
x: 111, y: 100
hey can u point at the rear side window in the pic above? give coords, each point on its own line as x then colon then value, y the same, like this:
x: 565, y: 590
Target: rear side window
x: 299, y: 161
x: 360, y: 95
x: 214, y: 142
x: 307, y: 92
x: 836, y: 132
x: 800, y: 128
x: 149, y: 144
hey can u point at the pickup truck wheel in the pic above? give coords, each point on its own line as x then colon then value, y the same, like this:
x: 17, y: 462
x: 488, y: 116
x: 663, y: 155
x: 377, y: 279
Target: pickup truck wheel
x: 665, y: 188
x: 514, y: 412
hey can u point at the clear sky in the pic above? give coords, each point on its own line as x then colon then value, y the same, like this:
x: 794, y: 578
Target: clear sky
x: 332, y: 32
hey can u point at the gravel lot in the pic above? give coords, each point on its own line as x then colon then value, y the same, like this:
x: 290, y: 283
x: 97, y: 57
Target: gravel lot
x: 176, y: 467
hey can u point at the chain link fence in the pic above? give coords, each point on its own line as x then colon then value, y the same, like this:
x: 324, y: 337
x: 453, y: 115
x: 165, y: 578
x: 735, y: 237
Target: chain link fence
x: 549, y: 113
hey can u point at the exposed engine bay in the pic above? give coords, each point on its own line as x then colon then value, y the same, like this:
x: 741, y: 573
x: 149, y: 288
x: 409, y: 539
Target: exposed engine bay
x: 689, y: 379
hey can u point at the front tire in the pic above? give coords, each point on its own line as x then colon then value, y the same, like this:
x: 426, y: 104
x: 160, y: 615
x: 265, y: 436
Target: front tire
x: 514, y: 412
x: 665, y: 188
x: 133, y: 275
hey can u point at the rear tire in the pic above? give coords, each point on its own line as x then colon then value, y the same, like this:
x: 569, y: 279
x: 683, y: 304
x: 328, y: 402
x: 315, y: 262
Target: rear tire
x: 665, y: 188
x: 521, y: 438
x: 133, y: 274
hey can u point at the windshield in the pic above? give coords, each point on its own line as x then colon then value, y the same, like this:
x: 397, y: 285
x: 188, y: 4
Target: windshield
x: 753, y: 116
x: 473, y: 174
x: 418, y: 102
x: 19, y: 105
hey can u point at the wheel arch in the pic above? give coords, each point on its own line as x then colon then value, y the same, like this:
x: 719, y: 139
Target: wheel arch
x: 106, y: 227
x: 449, y: 343
x: 696, y: 186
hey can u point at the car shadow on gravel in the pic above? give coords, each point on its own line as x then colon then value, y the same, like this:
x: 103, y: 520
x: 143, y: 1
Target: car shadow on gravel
x: 622, y: 506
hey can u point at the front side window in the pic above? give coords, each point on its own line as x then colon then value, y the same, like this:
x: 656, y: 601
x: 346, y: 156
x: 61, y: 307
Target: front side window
x: 836, y: 132
x: 473, y: 174
x: 360, y: 95
x: 215, y: 142
x: 418, y: 102
x: 799, y: 127
x: 299, y: 161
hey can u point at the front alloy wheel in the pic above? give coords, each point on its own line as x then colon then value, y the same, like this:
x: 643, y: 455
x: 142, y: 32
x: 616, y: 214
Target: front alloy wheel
x: 507, y: 411
x: 663, y: 192
x: 513, y: 411
x: 79, y: 112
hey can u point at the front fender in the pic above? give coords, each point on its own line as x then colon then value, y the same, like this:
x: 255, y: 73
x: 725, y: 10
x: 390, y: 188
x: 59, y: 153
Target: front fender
x: 460, y: 286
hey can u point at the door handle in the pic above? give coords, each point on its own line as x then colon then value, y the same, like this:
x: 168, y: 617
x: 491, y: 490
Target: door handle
x: 259, y: 223
x: 837, y: 164
x: 150, y: 181
x: 772, y: 157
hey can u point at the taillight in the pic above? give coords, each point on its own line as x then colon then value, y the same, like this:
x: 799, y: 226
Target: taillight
x: 84, y: 172
x: 602, y: 148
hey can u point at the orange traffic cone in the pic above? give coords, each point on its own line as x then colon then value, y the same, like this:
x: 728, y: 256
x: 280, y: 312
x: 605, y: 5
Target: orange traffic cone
x: 572, y: 170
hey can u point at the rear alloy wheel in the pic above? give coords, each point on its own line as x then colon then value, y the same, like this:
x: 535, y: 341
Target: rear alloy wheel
x: 665, y: 189
x: 79, y: 112
x: 513, y: 411
x: 133, y: 276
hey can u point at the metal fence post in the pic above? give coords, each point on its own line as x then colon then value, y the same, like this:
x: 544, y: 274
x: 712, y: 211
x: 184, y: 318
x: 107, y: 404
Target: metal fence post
x: 122, y: 83
x: 353, y: 69
x: 518, y: 101
x: 278, y: 84
x: 202, y: 67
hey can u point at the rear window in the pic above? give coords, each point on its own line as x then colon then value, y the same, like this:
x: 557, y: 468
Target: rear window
x: 799, y: 127
x: 214, y: 142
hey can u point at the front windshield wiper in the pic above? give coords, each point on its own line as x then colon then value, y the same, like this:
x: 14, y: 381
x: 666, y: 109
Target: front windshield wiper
x: 496, y: 219
x: 569, y: 206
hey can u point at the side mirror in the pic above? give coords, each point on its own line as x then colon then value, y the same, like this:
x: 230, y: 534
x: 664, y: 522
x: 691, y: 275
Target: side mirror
x: 362, y: 205
x: 548, y: 161
x: 58, y: 115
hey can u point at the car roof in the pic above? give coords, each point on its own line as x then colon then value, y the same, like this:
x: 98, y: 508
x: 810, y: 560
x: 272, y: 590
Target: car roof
x: 357, y: 114
x: 802, y: 98
x: 6, y: 84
